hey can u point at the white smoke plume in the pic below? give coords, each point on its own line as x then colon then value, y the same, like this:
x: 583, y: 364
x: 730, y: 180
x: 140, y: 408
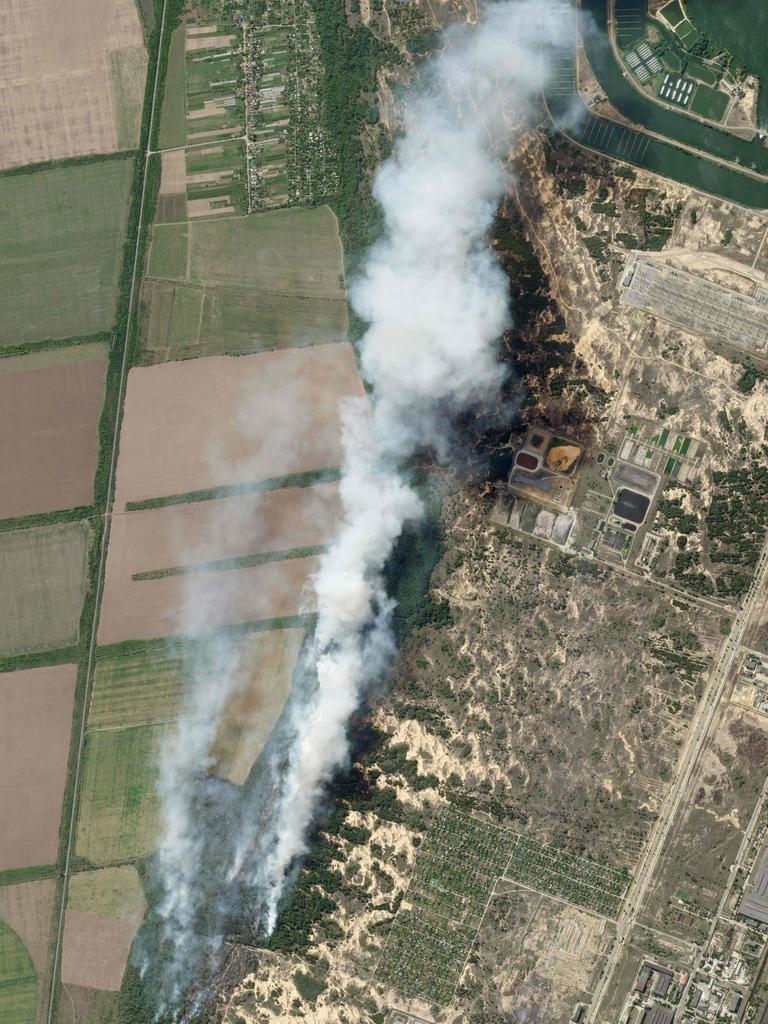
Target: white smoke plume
x: 437, y: 304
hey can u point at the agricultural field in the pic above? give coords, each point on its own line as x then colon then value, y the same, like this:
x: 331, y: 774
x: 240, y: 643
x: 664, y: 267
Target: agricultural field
x: 217, y: 422
x: 44, y: 574
x: 104, y: 910
x: 244, y: 284
x: 18, y: 981
x: 705, y: 838
x: 35, y: 726
x: 162, y: 560
x: 709, y: 103
x: 190, y: 602
x: 172, y: 197
x: 142, y: 685
x: 27, y: 909
x: 61, y: 238
x: 173, y: 114
x: 118, y: 814
x: 71, y: 86
x: 50, y: 404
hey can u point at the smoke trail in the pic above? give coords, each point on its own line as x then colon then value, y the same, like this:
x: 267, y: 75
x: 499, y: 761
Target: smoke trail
x: 436, y: 301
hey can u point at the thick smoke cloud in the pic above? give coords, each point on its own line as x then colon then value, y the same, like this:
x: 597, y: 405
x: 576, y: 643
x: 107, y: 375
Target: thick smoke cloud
x: 436, y: 302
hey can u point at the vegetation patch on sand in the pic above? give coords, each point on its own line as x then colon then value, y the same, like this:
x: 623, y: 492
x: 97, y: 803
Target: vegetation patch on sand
x: 247, y: 283
x: 61, y: 235
x: 44, y: 578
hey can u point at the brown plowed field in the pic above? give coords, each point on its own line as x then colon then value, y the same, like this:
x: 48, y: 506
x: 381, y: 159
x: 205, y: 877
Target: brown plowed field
x: 96, y: 949
x: 49, y: 421
x: 203, y: 532
x: 206, y: 531
x: 35, y: 727
x: 204, y: 423
x: 192, y: 602
x: 72, y: 80
x: 27, y: 908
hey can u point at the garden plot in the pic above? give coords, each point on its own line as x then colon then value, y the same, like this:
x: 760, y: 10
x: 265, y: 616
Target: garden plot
x: 71, y: 85
x: 49, y: 416
x: 35, y: 727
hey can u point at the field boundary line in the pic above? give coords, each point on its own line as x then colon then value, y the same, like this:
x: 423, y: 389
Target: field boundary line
x: 101, y: 564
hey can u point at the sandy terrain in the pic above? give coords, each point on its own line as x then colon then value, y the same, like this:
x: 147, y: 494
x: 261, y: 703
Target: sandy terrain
x: 192, y: 602
x: 96, y: 949
x: 72, y: 82
x: 28, y: 909
x: 174, y: 172
x: 205, y: 423
x: 35, y: 726
x: 197, y: 533
x: 266, y: 668
x: 49, y: 434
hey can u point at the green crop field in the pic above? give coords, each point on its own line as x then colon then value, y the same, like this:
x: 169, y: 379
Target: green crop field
x: 142, y: 688
x: 168, y: 255
x: 119, y: 816
x: 173, y: 116
x: 61, y: 240
x: 701, y: 72
x: 18, y: 981
x: 709, y: 103
x: 44, y: 575
x: 267, y: 280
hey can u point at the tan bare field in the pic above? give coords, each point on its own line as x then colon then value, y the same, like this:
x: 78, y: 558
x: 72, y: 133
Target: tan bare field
x: 28, y: 908
x: 35, y: 728
x: 95, y: 949
x: 207, y: 531
x: 192, y: 602
x: 72, y: 81
x: 49, y: 419
x: 266, y: 665
x: 197, y: 533
x: 205, y: 423
x: 173, y: 178
x: 199, y: 42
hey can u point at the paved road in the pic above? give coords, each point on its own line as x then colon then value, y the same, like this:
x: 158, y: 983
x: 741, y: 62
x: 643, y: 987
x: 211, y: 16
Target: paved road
x: 697, y: 736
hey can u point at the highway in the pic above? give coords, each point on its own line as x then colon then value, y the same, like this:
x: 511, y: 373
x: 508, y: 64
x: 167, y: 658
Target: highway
x: 698, y: 732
